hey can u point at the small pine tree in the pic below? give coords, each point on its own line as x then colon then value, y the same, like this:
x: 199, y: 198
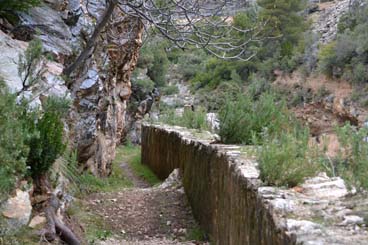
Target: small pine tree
x: 283, y: 19
x: 47, y: 145
x: 28, y: 64
x: 13, y: 150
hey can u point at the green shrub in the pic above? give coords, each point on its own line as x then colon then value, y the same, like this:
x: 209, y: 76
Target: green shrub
x: 28, y: 64
x: 144, y: 86
x: 348, y: 55
x: 327, y: 59
x: 46, y: 143
x: 58, y: 105
x: 286, y: 159
x: 213, y: 100
x: 196, y: 119
x: 242, y: 120
x: 13, y: 150
x: 153, y: 57
x: 170, y: 90
x: 216, y: 72
x: 191, y: 62
x: 360, y: 73
x: 258, y: 86
x: 352, y: 161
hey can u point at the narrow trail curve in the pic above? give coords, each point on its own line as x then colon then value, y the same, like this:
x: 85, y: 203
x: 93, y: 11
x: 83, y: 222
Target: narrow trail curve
x: 145, y: 215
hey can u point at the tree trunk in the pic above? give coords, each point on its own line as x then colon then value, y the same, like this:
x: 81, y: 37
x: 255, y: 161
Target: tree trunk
x: 55, y: 227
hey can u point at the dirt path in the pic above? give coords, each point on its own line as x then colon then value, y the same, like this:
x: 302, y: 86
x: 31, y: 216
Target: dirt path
x: 145, y: 215
x: 136, y: 181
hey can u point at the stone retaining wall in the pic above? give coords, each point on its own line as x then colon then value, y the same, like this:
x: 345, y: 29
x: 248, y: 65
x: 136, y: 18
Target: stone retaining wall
x: 231, y: 204
x: 221, y: 187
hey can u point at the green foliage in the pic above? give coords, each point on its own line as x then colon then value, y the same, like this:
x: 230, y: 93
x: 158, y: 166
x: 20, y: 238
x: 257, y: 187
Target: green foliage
x: 196, y: 119
x: 218, y: 71
x: 283, y: 20
x: 89, y: 183
x: 23, y: 235
x: 170, y: 90
x: 327, y: 58
x: 243, y: 120
x: 57, y: 105
x: 144, y: 86
x: 46, y: 144
x: 258, y: 86
x: 132, y: 155
x: 214, y: 99
x: 153, y: 57
x: 196, y: 234
x: 13, y: 150
x: 191, y: 62
x: 286, y: 159
x: 17, y: 5
x: 347, y: 57
x: 352, y: 161
x: 28, y: 64
x: 46, y: 140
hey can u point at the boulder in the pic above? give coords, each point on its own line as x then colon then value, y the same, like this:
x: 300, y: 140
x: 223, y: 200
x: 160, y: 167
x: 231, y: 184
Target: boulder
x: 15, y: 212
x: 37, y: 221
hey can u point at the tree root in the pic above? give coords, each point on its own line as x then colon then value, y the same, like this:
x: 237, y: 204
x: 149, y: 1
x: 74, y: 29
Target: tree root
x: 54, y: 226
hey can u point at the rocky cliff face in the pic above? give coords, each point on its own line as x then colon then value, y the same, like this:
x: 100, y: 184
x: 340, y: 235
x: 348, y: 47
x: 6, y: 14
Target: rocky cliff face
x: 101, y: 85
x: 101, y: 90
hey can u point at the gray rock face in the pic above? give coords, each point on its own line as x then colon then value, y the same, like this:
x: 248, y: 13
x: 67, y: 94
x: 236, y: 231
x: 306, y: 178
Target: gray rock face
x: 102, y: 87
x: 9, y: 55
x: 326, y: 25
x: 54, y: 33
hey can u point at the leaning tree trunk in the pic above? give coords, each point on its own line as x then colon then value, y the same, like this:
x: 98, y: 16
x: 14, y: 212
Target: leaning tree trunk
x: 102, y: 90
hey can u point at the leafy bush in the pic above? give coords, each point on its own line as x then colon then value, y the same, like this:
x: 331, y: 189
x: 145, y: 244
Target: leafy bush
x: 170, y: 89
x: 143, y: 86
x: 28, y: 64
x: 218, y: 71
x: 46, y: 145
x: 348, y: 56
x: 286, y: 159
x: 352, y: 162
x: 243, y: 120
x: 153, y: 57
x: 213, y: 100
x: 196, y: 119
x: 13, y: 150
x: 58, y: 105
x: 327, y: 59
x: 191, y: 63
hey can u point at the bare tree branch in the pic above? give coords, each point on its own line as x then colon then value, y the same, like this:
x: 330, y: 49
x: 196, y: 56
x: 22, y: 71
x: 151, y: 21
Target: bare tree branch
x: 185, y: 23
x: 91, y: 42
